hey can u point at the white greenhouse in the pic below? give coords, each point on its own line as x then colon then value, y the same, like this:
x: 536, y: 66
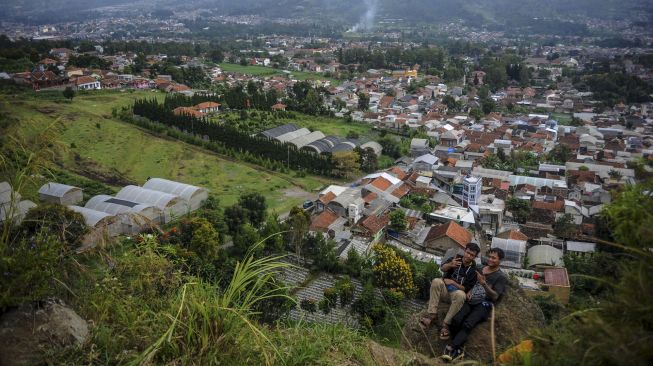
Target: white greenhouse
x: 542, y: 256
x: 171, y: 205
x: 133, y: 216
x: 194, y: 196
x: 61, y: 193
x: 514, y: 250
x: 98, y: 220
x: 11, y: 206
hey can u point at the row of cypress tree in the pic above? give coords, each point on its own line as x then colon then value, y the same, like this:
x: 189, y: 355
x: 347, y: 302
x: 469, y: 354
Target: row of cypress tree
x: 232, y: 138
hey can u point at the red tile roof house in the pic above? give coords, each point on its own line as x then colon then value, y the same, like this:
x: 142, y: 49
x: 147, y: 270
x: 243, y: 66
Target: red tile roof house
x: 208, y: 107
x: 87, y: 83
x: 190, y: 111
x: 45, y: 79
x: 177, y: 88
x: 279, y: 107
x: 446, y: 236
x: 322, y: 221
x: 373, y: 226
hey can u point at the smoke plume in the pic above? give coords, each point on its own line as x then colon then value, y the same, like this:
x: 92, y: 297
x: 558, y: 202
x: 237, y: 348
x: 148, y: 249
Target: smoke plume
x: 366, y: 22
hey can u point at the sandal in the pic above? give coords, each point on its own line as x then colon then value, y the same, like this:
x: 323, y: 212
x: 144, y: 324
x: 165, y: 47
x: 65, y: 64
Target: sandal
x: 426, y: 321
x: 444, y: 333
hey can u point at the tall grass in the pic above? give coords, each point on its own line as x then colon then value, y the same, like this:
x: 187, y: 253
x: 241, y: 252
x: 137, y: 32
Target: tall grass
x: 619, y: 330
x: 212, y: 324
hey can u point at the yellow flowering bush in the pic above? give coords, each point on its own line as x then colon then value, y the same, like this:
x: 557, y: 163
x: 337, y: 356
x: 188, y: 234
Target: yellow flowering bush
x: 391, y: 271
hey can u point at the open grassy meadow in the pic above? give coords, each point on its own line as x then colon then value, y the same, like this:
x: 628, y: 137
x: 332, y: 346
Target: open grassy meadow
x: 562, y: 118
x: 268, y: 71
x: 260, y: 121
x: 94, y: 144
x: 332, y: 126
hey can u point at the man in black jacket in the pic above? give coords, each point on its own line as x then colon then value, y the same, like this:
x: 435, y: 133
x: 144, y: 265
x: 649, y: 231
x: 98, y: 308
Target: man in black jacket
x: 489, y: 289
x: 459, y: 277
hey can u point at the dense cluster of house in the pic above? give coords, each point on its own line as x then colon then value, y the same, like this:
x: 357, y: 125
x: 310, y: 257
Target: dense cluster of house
x: 55, y: 72
x: 469, y: 202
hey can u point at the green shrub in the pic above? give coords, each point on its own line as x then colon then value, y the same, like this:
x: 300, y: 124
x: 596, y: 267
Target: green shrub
x: 370, y: 310
x: 67, y: 225
x: 345, y: 289
x: 393, y: 297
x: 550, y: 306
x: 325, y: 305
x: 309, y: 305
x: 28, y: 268
x: 425, y: 274
x: 201, y: 238
x: 354, y: 263
x: 331, y: 295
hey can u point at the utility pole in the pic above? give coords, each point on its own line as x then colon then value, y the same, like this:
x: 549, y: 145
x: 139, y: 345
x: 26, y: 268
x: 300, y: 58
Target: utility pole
x: 288, y: 157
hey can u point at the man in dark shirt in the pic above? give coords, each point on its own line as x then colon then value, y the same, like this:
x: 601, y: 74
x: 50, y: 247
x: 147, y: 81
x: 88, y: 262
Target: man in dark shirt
x: 459, y: 277
x: 491, y: 286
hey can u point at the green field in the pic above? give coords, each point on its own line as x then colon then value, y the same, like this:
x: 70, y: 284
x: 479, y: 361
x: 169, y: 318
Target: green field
x: 93, y: 142
x: 260, y: 121
x: 562, y: 118
x: 268, y: 71
x: 332, y: 126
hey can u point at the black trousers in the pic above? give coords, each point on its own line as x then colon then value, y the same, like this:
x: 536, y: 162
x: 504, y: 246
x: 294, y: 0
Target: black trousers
x: 465, y: 320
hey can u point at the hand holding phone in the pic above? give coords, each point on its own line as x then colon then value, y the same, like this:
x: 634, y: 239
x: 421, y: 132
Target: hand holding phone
x: 480, y: 278
x: 458, y: 260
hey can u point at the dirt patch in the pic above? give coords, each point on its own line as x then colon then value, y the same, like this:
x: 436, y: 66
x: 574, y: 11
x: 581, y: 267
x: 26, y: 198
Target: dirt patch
x: 46, y: 110
x: 71, y: 117
x: 94, y: 171
x: 386, y: 356
x: 296, y: 192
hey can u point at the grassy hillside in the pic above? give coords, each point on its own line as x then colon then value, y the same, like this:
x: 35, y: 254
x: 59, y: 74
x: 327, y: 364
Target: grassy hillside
x: 95, y: 144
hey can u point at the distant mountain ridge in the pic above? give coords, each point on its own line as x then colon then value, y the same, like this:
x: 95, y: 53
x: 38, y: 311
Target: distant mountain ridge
x: 475, y: 12
x: 439, y: 10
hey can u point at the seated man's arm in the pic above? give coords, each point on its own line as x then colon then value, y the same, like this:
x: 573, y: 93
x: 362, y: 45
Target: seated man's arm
x: 495, y: 291
x: 447, y: 266
x: 469, y: 282
x: 489, y: 291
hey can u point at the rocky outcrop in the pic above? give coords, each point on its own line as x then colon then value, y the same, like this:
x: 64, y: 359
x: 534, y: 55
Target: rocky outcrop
x: 29, y: 330
x: 386, y: 356
x: 514, y: 317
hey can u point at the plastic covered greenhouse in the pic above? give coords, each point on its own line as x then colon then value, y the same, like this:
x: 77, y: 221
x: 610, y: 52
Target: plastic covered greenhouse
x: 193, y: 195
x: 171, y: 205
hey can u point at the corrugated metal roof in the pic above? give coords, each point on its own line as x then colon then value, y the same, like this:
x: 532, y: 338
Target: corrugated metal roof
x: 293, y: 135
x: 343, y: 146
x: 303, y: 140
x: 374, y: 146
x: 535, y: 181
x: 278, y: 131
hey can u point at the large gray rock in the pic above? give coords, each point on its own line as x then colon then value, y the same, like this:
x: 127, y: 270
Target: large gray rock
x: 514, y: 317
x: 29, y: 330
